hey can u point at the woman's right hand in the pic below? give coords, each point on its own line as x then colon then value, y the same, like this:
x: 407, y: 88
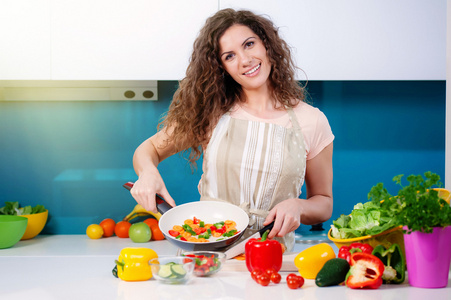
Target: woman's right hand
x: 145, y: 161
x: 145, y: 189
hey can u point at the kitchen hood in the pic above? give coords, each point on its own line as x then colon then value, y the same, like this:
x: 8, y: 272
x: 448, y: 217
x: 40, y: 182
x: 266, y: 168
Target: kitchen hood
x: 78, y: 90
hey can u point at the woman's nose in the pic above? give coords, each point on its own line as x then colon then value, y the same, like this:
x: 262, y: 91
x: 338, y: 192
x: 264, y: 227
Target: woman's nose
x: 246, y: 60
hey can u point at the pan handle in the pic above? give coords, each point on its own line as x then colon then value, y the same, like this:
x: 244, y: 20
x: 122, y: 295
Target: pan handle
x: 267, y: 227
x: 162, y: 205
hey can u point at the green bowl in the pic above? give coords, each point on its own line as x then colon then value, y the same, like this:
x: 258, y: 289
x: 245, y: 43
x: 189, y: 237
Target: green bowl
x: 12, y: 229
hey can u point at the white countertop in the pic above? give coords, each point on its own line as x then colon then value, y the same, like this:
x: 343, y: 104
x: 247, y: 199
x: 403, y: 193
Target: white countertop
x: 75, y: 267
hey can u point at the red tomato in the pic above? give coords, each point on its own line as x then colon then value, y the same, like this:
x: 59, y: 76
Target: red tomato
x: 344, y: 255
x: 291, y: 275
x: 355, y: 245
x: 293, y: 283
x: 301, y: 281
x: 108, y: 227
x: 275, y: 277
x: 221, y: 230
x: 366, y: 248
x: 270, y: 271
x: 121, y: 229
x: 255, y: 274
x: 263, y: 279
x: 344, y: 249
x: 174, y: 233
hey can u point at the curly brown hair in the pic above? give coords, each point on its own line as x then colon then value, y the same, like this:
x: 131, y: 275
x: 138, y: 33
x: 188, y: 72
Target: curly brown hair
x: 205, y: 94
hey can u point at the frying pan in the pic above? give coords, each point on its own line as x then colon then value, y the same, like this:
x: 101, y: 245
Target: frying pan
x: 207, y: 211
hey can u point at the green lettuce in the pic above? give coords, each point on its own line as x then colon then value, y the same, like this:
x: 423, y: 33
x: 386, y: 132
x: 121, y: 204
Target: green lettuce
x: 367, y: 218
x: 13, y: 208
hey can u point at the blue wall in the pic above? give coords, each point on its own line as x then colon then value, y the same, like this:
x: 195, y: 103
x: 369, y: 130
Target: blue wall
x: 73, y: 157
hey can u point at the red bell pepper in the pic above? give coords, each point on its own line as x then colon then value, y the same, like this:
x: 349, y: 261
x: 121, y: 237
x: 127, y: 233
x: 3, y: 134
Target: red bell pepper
x: 346, y: 251
x: 263, y: 254
x: 365, y: 272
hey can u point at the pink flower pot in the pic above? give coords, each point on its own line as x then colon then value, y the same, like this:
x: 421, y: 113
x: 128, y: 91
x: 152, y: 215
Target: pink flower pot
x: 428, y: 257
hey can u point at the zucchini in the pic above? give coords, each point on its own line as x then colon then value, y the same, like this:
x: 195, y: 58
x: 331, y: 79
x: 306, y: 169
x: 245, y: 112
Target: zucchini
x: 333, y: 272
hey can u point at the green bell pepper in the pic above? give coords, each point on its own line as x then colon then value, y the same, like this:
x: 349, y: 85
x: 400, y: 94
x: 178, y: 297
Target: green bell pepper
x: 394, y: 262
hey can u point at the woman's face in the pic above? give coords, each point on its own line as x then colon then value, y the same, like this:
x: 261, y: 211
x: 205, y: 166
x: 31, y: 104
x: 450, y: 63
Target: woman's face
x: 243, y: 56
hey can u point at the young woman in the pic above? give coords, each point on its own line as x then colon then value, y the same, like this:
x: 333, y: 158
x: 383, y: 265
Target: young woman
x: 240, y: 107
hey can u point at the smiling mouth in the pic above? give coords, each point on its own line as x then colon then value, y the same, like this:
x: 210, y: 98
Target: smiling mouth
x: 253, y: 70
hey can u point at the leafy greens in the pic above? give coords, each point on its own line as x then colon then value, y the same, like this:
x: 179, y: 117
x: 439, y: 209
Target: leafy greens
x: 365, y: 219
x: 13, y: 208
x: 419, y: 207
x: 416, y: 206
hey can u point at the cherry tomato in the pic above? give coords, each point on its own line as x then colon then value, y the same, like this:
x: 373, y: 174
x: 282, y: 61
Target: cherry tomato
x: 344, y: 249
x: 293, y: 283
x: 301, y: 281
x: 366, y: 248
x: 275, y: 277
x: 270, y: 271
x: 291, y: 275
x: 263, y: 279
x: 344, y: 255
x: 255, y: 274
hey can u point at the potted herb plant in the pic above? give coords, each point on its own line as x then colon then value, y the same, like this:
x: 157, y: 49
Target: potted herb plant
x: 426, y: 221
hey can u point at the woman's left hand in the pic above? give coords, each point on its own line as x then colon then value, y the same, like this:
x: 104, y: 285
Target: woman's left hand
x: 287, y: 217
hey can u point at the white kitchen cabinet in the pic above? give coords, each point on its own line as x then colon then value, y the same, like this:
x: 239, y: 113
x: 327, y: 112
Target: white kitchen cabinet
x: 24, y: 39
x: 133, y: 40
x: 360, y: 40
x: 152, y: 39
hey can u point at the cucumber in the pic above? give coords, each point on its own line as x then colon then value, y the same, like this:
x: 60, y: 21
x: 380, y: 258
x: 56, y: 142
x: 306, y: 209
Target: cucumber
x: 332, y: 273
x: 178, y: 270
x: 165, y: 271
x: 171, y: 270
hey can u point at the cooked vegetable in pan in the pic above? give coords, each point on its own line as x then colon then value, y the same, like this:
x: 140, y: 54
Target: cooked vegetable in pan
x: 196, y: 230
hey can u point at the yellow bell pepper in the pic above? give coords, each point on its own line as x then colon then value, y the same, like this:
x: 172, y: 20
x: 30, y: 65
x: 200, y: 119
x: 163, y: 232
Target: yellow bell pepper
x: 133, y: 264
x: 310, y: 261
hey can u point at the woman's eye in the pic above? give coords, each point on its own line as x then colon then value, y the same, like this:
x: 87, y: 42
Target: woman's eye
x: 228, y: 56
x: 249, y: 44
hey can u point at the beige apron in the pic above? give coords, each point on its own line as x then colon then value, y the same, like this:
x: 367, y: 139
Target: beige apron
x: 254, y: 165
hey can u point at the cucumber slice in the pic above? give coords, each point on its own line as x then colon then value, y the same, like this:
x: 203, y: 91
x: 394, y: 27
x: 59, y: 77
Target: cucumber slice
x: 165, y: 271
x: 178, y: 270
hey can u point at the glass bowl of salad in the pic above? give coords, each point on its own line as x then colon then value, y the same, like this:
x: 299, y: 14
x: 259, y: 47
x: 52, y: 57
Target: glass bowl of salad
x: 206, y: 263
